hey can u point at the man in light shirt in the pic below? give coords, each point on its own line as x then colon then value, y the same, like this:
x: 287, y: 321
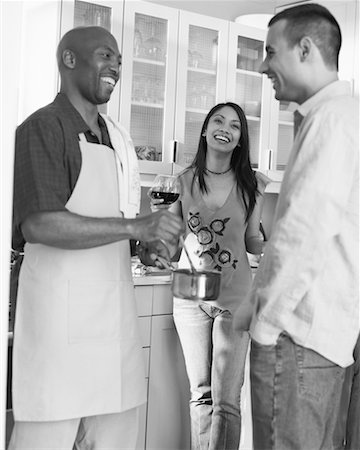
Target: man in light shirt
x: 304, y: 300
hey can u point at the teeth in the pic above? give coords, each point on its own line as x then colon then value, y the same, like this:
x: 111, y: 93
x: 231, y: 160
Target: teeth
x: 108, y: 80
x: 219, y: 137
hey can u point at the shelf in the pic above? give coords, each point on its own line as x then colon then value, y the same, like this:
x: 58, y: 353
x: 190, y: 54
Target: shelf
x: 249, y: 72
x: 153, y: 62
x: 197, y: 110
x: 288, y: 124
x: 197, y: 70
x: 253, y: 118
x: 148, y: 105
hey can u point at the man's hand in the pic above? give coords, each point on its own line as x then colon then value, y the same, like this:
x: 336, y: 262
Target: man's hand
x: 161, y: 225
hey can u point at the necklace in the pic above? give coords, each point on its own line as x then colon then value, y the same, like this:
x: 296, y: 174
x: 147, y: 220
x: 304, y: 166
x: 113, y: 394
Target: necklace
x: 218, y: 173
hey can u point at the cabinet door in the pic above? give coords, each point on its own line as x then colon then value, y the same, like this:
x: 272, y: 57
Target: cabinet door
x: 201, y: 78
x: 148, y: 82
x: 281, y: 137
x: 168, y: 420
x: 247, y: 87
x: 104, y: 13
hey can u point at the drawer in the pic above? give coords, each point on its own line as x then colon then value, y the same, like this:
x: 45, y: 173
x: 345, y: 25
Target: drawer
x: 145, y: 330
x: 162, y: 299
x: 144, y: 300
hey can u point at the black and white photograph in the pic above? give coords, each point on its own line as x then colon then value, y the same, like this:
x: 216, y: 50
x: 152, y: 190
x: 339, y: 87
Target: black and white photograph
x: 179, y: 225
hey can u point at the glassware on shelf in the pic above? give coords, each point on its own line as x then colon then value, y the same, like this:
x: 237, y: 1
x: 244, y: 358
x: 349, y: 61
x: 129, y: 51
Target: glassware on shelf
x: 214, y: 53
x: 138, y: 44
x: 153, y: 47
x: 86, y: 14
x: 195, y: 58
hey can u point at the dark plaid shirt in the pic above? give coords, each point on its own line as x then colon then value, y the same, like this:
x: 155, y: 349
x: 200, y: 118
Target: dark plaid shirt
x: 48, y: 160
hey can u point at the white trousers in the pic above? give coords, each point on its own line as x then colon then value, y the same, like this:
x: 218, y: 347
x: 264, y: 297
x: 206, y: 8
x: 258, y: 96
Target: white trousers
x: 103, y: 432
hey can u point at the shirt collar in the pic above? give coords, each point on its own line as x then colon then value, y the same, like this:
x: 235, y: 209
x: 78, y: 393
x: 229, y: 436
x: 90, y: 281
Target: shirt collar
x: 79, y: 123
x: 333, y: 89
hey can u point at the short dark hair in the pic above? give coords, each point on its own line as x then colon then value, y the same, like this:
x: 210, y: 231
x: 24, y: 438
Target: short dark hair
x: 317, y: 22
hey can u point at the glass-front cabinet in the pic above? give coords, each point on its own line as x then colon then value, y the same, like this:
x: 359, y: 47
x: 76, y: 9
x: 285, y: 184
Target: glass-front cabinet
x: 201, y: 79
x: 147, y: 101
x: 281, y: 137
x: 247, y: 87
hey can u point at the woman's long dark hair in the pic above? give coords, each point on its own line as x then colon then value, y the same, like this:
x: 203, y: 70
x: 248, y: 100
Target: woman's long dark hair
x: 240, y: 160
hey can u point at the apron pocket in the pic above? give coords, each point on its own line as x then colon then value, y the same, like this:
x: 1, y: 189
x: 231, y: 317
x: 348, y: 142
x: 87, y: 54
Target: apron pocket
x: 93, y: 311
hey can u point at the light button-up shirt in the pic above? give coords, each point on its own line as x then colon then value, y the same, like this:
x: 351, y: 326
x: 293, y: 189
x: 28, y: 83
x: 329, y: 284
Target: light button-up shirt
x: 307, y: 283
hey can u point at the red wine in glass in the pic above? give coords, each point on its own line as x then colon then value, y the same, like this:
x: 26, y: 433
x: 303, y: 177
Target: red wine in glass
x: 166, y: 188
x: 168, y: 197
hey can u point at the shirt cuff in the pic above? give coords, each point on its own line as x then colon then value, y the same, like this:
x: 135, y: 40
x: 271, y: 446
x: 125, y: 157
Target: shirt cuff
x: 263, y: 332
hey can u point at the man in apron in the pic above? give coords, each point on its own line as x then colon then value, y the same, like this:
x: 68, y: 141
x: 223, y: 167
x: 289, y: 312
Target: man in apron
x: 78, y: 373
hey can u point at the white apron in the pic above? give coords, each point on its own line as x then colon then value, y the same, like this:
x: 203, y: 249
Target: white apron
x: 77, y: 349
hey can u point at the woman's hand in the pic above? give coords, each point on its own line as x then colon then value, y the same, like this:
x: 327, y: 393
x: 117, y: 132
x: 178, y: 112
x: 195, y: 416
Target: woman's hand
x: 154, y: 254
x: 243, y: 315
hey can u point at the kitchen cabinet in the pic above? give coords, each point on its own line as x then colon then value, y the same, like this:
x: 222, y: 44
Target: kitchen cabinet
x: 247, y: 87
x: 165, y: 419
x: 168, y: 420
x: 165, y: 422
x: 175, y: 73
x: 179, y: 65
x: 148, y: 79
x: 201, y: 78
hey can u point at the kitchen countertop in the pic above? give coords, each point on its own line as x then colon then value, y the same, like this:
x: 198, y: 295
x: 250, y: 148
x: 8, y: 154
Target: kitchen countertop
x: 159, y: 278
x: 141, y: 280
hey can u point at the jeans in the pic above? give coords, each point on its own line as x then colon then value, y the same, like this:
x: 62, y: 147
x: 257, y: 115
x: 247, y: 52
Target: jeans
x: 215, y: 361
x: 352, y: 436
x: 295, y: 395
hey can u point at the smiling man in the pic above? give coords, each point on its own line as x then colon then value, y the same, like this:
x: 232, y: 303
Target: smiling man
x: 78, y: 372
x: 305, y: 293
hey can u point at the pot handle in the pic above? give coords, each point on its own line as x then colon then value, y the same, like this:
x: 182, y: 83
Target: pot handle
x: 182, y: 243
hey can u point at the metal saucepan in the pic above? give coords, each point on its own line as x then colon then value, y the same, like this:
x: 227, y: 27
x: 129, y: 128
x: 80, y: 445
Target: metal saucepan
x: 193, y: 284
x: 199, y: 285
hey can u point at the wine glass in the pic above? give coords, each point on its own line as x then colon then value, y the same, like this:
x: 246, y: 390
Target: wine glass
x: 165, y: 188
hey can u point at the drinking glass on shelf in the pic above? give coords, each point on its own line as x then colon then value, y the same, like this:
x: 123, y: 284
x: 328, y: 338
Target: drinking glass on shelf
x: 164, y: 191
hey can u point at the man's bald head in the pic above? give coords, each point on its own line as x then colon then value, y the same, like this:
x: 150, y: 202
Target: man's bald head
x: 80, y: 40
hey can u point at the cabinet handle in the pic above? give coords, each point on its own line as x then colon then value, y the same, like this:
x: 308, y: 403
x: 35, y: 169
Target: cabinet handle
x: 270, y: 158
x: 175, y: 146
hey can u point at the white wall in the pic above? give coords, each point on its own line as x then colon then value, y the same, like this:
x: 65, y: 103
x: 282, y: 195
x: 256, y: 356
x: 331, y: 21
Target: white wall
x: 11, y: 14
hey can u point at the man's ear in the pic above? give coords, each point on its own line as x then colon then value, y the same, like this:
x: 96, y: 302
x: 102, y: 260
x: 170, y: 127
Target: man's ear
x: 68, y: 58
x: 305, y: 48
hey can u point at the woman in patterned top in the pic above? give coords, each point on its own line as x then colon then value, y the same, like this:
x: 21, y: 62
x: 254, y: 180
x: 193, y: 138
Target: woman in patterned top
x: 220, y: 202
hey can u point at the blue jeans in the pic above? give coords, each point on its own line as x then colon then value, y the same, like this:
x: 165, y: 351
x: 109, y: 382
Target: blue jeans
x: 295, y: 395
x: 352, y: 394
x: 215, y: 360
